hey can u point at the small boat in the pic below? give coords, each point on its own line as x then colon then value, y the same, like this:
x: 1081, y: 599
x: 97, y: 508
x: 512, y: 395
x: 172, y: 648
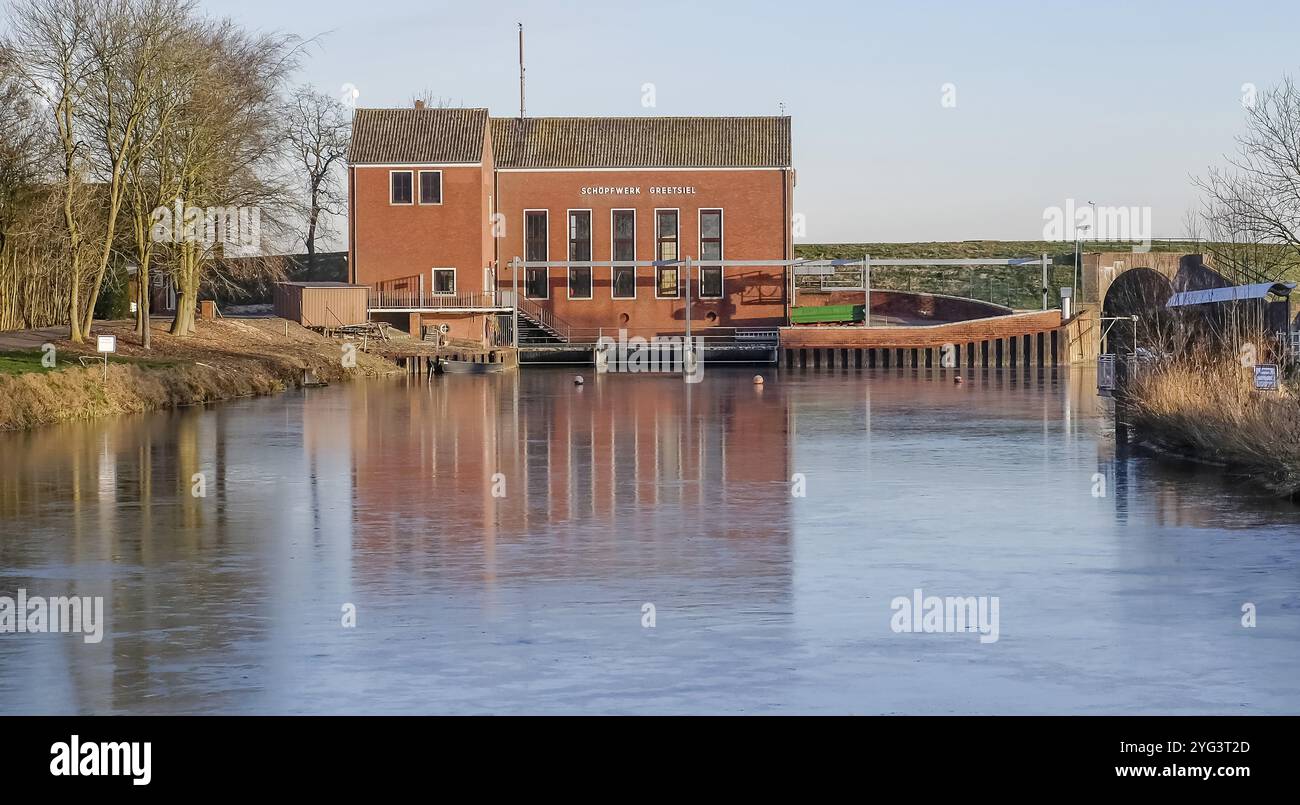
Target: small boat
x: 471, y: 367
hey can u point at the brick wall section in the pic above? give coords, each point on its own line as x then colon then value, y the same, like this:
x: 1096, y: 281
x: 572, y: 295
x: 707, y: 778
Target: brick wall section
x: 1019, y: 324
x: 394, y: 241
x: 754, y: 228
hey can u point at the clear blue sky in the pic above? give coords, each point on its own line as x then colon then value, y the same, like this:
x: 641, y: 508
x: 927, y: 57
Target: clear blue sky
x: 1113, y: 102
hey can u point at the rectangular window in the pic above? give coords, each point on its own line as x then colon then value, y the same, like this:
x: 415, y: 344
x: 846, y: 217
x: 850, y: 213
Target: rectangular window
x: 623, y: 238
x: 535, y: 248
x: 580, y: 235
x: 535, y: 283
x: 710, y: 282
x: 666, y: 235
x: 399, y: 187
x: 580, y: 282
x: 444, y: 282
x: 624, y: 282
x: 667, y: 285
x: 430, y: 187
x: 624, y: 235
x: 710, y: 249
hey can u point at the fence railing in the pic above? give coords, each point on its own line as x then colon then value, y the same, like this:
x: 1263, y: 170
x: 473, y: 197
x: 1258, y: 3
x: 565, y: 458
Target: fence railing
x: 545, y: 318
x: 756, y: 337
x: 391, y: 300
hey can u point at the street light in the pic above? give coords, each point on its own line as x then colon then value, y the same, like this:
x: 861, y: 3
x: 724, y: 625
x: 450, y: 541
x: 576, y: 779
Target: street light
x: 1078, y: 237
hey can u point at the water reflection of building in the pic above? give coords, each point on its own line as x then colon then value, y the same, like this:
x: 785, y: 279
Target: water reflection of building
x: 613, y: 464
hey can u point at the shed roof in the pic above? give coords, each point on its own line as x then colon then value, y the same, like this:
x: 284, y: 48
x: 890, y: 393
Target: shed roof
x: 1232, y: 293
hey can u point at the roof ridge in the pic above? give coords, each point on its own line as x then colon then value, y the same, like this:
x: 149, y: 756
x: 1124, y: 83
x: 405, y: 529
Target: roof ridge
x: 642, y: 117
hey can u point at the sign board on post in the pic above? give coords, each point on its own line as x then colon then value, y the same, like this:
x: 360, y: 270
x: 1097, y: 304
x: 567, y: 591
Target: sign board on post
x: 105, y: 344
x: 1265, y: 377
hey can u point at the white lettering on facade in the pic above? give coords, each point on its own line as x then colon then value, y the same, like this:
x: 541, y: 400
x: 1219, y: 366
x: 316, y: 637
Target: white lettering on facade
x: 680, y: 190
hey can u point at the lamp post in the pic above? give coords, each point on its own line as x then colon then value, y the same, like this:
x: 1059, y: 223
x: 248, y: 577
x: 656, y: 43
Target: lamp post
x: 1078, y: 238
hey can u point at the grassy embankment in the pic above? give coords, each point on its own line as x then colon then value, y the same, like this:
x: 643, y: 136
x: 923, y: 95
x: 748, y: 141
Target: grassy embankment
x: 223, y: 360
x: 1207, y: 408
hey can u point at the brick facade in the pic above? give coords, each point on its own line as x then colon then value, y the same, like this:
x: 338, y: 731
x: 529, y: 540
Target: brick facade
x: 478, y: 227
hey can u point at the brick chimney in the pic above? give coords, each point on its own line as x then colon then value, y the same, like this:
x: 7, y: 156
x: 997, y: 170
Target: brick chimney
x: 419, y: 104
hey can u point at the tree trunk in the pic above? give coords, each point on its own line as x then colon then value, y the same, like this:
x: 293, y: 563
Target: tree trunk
x: 142, y: 303
x: 311, y: 243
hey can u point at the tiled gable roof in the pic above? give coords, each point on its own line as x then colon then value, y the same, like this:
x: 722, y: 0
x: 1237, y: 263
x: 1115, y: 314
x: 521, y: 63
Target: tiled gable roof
x: 417, y: 135
x: 641, y: 142
x: 456, y: 136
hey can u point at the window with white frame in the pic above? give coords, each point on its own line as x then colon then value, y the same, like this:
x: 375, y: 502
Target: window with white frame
x: 666, y: 277
x: 580, y: 235
x: 444, y: 282
x: 399, y: 187
x: 710, y: 249
x: 430, y: 187
x: 623, y: 239
x: 536, y: 279
x: 579, y: 282
x: 535, y: 249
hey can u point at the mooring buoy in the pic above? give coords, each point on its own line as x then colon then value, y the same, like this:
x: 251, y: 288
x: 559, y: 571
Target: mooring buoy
x: 577, y: 380
x: 758, y: 380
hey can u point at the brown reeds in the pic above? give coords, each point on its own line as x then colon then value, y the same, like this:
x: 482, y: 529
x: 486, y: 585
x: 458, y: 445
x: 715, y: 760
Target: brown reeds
x: 1204, y: 405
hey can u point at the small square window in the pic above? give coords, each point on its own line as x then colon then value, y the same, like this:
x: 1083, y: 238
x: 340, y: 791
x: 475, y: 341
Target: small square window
x: 430, y: 187
x: 399, y: 186
x: 444, y: 282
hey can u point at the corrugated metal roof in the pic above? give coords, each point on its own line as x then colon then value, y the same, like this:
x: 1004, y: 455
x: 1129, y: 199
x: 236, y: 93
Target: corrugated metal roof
x: 417, y: 135
x: 1232, y: 293
x: 641, y: 142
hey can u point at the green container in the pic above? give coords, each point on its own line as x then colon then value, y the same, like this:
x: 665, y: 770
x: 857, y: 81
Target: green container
x: 828, y: 314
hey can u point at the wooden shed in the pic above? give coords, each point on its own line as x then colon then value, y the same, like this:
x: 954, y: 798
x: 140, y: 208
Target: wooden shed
x: 322, y: 304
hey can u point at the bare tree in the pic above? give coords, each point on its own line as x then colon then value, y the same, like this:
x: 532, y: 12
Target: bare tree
x: 49, y: 44
x: 1251, y: 206
x: 224, y: 143
x: 317, y: 131
x: 132, y: 48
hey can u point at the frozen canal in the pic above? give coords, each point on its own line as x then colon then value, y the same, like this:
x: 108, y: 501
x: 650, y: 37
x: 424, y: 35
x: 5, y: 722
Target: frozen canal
x: 500, y: 538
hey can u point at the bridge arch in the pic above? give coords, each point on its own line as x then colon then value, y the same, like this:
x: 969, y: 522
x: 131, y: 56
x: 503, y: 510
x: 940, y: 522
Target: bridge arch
x: 1142, y: 292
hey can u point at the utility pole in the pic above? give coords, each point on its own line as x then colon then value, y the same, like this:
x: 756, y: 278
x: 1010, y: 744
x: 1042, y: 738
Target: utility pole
x: 866, y: 282
x: 1045, y: 280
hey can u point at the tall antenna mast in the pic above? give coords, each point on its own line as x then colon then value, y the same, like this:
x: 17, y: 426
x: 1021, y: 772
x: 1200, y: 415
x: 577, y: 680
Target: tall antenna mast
x: 521, y: 70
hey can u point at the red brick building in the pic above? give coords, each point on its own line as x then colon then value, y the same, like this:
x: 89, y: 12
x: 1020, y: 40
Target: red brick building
x: 449, y: 209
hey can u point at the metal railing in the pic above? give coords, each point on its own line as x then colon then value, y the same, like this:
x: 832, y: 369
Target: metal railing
x: 545, y: 318
x: 391, y: 300
x: 755, y: 337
